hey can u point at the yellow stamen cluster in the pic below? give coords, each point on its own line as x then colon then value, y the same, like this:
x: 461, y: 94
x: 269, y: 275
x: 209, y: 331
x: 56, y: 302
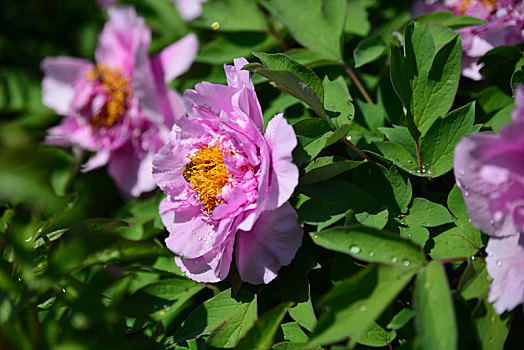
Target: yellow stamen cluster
x: 488, y: 4
x: 118, y: 89
x: 207, y: 174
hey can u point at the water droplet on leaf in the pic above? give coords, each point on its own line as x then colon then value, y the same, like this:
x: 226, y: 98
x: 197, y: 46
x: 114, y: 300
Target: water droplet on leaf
x: 354, y: 249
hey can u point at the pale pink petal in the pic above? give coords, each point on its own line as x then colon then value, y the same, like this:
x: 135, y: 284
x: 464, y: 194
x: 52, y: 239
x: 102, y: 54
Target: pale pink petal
x: 99, y: 159
x: 176, y: 58
x: 281, y: 140
x: 132, y: 171
x: 478, y: 160
x: 189, y: 9
x: 121, y: 37
x: 212, y: 266
x: 60, y: 76
x: 191, y: 235
x: 518, y: 113
x: 271, y: 244
x: 505, y: 264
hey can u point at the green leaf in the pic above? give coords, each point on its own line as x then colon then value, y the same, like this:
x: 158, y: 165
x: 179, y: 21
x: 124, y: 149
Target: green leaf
x: 262, y: 334
x: 369, y: 50
x: 337, y: 101
x: 389, y: 187
x: 325, y: 168
x: 357, y: 21
x: 441, y: 34
x: 169, y: 289
x: 232, y: 15
x: 417, y: 234
x: 377, y: 336
x: 332, y: 200
x: 371, y: 245
x: 224, y: 47
x: 499, y: 65
x: 401, y: 319
x: 456, y: 205
x: 213, y: 313
x: 491, y: 329
x: 426, y: 82
x: 317, y: 25
x: 291, y: 77
x: 401, y: 135
x: 397, y: 155
x: 304, y: 314
x: 437, y: 145
x: 475, y: 281
x: 229, y: 333
x: 427, y: 214
x: 435, y: 315
x: 293, y: 333
x: 458, y: 242
x: 502, y: 118
x: 353, y: 305
x: 313, y: 135
x: 518, y: 76
x: 450, y: 20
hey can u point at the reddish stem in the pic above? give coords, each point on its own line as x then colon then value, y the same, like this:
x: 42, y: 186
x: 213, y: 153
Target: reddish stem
x: 356, y: 81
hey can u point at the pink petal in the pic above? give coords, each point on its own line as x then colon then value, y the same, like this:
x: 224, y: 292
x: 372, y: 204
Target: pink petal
x: 176, y: 58
x: 191, y: 234
x: 99, y: 159
x: 281, y: 140
x: 189, y: 9
x: 518, y: 113
x: 212, y: 266
x: 121, y: 37
x: 168, y: 165
x: 505, y: 264
x: 241, y: 79
x: 132, y: 171
x: 60, y: 76
x: 271, y: 244
x: 485, y: 199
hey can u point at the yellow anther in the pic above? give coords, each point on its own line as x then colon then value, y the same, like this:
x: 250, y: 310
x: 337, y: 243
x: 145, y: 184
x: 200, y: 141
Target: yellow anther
x: 207, y: 174
x: 117, y: 87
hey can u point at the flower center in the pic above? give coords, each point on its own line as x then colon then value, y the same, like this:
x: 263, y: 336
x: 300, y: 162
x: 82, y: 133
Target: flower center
x: 117, y: 87
x: 207, y: 174
x: 491, y: 5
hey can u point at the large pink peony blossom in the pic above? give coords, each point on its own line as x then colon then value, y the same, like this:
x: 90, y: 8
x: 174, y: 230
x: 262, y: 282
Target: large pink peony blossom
x: 119, y: 107
x: 505, y: 17
x: 227, y: 184
x: 489, y: 170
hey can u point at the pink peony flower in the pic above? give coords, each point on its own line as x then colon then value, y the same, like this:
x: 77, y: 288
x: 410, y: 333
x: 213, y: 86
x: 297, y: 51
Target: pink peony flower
x: 227, y: 184
x: 505, y: 17
x: 119, y: 107
x: 489, y: 170
x: 189, y: 9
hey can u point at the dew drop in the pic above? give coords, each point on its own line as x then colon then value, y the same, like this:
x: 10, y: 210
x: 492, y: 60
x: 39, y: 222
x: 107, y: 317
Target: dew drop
x: 472, y: 257
x: 354, y: 249
x: 371, y: 253
x: 316, y: 236
x: 63, y: 290
x: 199, y: 238
x: 406, y: 262
x: 362, y: 307
x: 499, y: 263
x: 491, y: 221
x: 215, y: 25
x: 28, y: 240
x: 462, y: 172
x: 193, y: 232
x: 466, y: 193
x: 394, y: 259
